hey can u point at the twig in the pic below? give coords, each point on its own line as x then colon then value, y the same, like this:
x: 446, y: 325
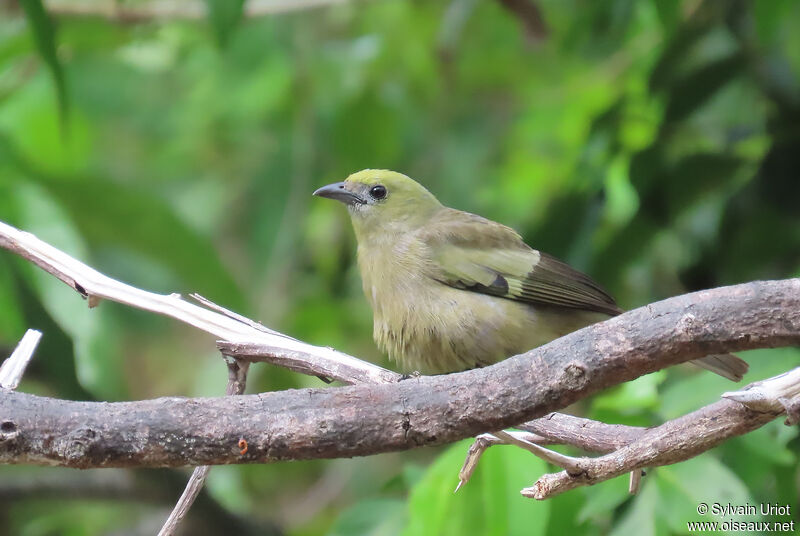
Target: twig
x: 586, y: 434
x: 237, y: 380
x: 13, y: 368
x: 479, y: 446
x: 193, y: 488
x: 95, y: 286
x: 236, y: 316
x: 635, y: 481
x: 346, y: 372
x: 672, y: 442
x: 484, y: 441
x: 591, y: 435
x: 568, y: 463
x: 556, y: 429
x: 781, y: 393
x: 769, y: 397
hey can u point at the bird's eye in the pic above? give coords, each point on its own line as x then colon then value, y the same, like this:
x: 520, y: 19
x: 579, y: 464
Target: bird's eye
x: 378, y: 191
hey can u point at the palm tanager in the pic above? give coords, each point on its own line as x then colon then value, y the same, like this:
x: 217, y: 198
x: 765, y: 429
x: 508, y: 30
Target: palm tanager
x: 451, y: 290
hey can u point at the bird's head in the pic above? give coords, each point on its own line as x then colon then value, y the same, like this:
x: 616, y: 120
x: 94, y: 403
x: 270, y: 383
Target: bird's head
x: 382, y: 202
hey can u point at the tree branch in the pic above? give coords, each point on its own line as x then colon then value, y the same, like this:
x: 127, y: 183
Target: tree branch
x: 95, y: 286
x: 586, y: 434
x: 237, y: 381
x: 555, y: 429
x: 633, y: 448
x: 781, y: 393
x: 672, y: 442
x: 368, y: 419
x: 306, y: 360
x: 13, y: 368
x: 385, y: 414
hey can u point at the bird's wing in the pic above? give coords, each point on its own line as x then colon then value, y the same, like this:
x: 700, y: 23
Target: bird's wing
x: 475, y: 254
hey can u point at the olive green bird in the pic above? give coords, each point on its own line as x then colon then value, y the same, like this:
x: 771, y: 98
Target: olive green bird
x: 451, y: 291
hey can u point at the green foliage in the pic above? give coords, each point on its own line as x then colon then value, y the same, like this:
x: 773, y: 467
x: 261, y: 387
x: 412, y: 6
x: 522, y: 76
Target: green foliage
x: 44, y: 35
x: 224, y: 16
x: 489, y: 504
x: 653, y: 144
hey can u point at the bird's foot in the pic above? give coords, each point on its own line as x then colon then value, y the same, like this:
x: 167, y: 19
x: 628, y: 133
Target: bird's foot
x: 415, y: 374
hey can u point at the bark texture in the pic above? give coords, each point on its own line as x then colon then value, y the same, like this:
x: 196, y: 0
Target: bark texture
x: 373, y: 418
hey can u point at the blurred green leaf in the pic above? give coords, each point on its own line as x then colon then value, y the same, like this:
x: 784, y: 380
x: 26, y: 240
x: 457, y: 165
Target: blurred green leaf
x: 372, y: 517
x: 641, y: 516
x: 604, y: 498
x: 697, y: 87
x: 685, y: 485
x: 224, y: 16
x: 641, y: 393
x: 488, y: 504
x: 44, y: 34
x: 99, y: 366
x: 697, y: 175
x: 116, y: 215
x: 770, y: 443
x: 668, y: 67
x: 70, y: 518
x: 224, y: 483
x: 691, y: 392
x: 563, y: 518
x: 12, y: 324
x: 30, y: 132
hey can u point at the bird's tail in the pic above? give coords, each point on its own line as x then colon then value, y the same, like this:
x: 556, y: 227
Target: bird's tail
x: 727, y: 365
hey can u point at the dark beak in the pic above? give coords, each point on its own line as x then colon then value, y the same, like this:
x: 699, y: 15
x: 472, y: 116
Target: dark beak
x: 340, y: 193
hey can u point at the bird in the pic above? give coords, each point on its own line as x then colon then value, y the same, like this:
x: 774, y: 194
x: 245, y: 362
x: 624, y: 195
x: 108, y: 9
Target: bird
x: 452, y: 291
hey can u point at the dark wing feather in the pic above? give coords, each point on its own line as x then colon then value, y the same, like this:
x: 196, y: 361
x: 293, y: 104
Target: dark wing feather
x: 553, y: 281
x: 472, y: 253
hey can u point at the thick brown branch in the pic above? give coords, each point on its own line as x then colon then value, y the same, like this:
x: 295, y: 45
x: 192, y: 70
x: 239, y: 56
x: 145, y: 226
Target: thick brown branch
x: 586, y: 434
x: 368, y: 419
x: 672, y: 442
x: 237, y: 381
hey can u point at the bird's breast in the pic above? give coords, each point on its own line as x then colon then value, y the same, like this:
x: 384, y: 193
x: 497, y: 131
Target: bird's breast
x: 429, y: 327
x: 433, y: 328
